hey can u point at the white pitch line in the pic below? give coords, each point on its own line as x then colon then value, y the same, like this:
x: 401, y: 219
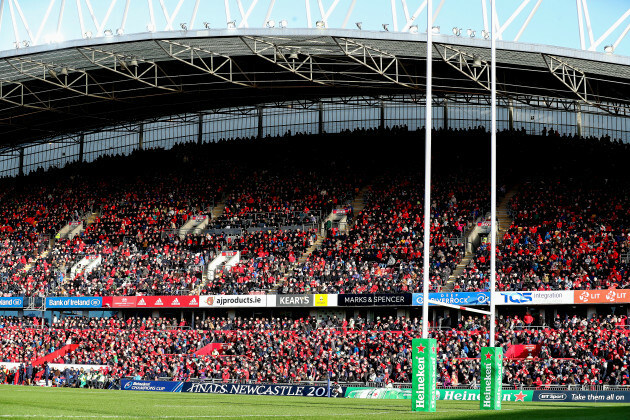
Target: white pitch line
x: 187, y: 417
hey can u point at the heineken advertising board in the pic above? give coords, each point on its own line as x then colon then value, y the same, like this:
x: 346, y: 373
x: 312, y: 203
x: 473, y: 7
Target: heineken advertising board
x: 424, y: 364
x: 491, y: 378
x: 453, y: 394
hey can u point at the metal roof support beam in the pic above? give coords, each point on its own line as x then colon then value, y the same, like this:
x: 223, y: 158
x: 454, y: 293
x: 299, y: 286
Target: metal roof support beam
x: 287, y: 58
x: 465, y: 63
x: 142, y: 71
x: 386, y: 64
x: 577, y: 82
x: 17, y: 94
x: 74, y: 80
x: 219, y: 65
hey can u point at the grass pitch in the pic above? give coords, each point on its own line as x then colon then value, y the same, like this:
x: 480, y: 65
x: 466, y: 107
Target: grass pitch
x: 50, y: 403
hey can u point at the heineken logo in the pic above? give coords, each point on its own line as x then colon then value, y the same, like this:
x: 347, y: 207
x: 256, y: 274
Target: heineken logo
x: 421, y: 348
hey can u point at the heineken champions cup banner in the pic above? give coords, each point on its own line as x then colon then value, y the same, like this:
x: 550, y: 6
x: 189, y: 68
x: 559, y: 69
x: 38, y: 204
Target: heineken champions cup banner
x: 491, y: 378
x: 424, y: 362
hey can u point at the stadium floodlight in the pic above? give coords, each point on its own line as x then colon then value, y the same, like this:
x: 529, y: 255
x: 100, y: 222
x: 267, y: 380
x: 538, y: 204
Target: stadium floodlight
x: 386, y: 27
x: 52, y: 72
x: 26, y: 43
x: 64, y: 71
x: 183, y: 26
x: 283, y: 23
x: 270, y: 23
x: 120, y: 31
x: 609, y: 49
x: 485, y: 34
x: 476, y: 61
x: 413, y: 29
x: 231, y: 24
x: 471, y: 33
x: 293, y: 56
x: 133, y: 62
x: 108, y: 32
x: 435, y: 29
x: 87, y: 35
x: 457, y: 31
x: 206, y: 25
x: 151, y: 27
x: 320, y: 24
x: 17, y: 44
x: 359, y: 24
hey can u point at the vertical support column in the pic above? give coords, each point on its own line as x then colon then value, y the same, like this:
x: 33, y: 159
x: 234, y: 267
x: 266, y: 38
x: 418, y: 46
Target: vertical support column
x: 491, y: 380
x: 445, y: 116
x: 423, y: 366
x: 21, y: 167
x: 260, y: 121
x: 81, y: 144
x: 381, y: 124
x: 141, y: 136
x: 200, y: 129
x: 511, y: 114
x: 578, y: 118
x: 320, y: 121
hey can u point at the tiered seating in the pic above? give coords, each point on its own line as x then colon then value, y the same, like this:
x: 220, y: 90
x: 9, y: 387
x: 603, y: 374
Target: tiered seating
x: 383, y: 252
x: 275, y: 350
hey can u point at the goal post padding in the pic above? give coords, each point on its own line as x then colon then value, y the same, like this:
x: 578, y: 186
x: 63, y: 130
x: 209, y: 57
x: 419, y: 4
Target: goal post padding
x: 491, y: 378
x: 424, y: 365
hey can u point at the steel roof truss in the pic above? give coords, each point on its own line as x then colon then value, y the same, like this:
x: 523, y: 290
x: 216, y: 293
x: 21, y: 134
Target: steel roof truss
x: 219, y: 65
x: 17, y: 94
x: 65, y: 77
x: 464, y: 63
x: 386, y: 64
x: 288, y: 58
x: 143, y: 71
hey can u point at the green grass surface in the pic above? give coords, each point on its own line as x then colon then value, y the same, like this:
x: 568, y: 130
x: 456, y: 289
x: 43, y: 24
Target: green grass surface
x: 49, y: 403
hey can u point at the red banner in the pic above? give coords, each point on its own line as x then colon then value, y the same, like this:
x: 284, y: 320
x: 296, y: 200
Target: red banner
x: 602, y: 296
x: 124, y: 302
x: 522, y: 351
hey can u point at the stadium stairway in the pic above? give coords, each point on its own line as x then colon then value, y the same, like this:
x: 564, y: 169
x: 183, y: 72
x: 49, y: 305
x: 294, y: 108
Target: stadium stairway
x: 505, y: 221
x: 217, y: 211
x: 358, y: 203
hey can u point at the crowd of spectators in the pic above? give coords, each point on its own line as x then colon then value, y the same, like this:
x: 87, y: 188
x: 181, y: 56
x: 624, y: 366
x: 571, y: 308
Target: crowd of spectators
x: 132, y: 208
x: 573, y: 350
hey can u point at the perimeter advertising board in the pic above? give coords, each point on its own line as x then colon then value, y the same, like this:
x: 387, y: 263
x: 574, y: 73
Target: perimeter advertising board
x: 154, y: 386
x: 11, y: 302
x: 258, y: 389
x: 441, y: 394
x: 234, y: 301
x: 602, y: 296
x: 461, y: 298
x: 583, y: 396
x: 546, y: 297
x: 294, y: 300
x: 74, y: 302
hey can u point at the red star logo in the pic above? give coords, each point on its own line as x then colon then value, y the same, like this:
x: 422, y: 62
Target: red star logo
x: 520, y: 396
x: 488, y: 356
x: 500, y: 356
x: 433, y: 349
x: 421, y: 348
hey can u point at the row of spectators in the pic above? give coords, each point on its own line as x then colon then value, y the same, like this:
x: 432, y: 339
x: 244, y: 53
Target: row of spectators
x: 283, y: 350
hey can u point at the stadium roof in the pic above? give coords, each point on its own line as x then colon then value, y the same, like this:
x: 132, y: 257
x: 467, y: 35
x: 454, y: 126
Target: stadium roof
x: 86, y: 84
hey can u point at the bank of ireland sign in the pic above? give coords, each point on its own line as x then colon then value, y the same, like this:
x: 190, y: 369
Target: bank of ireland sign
x: 424, y: 363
